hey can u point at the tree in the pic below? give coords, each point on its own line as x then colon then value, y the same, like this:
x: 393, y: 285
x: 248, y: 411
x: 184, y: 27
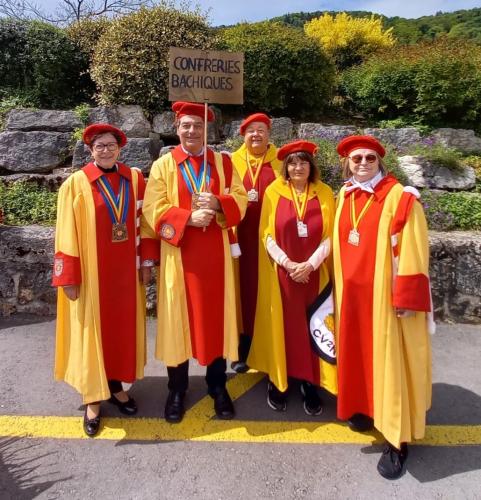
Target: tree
x: 68, y: 11
x: 349, y: 40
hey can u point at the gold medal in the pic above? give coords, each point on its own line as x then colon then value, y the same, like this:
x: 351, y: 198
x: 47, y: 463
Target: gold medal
x: 195, y: 201
x: 353, y: 238
x: 119, y: 232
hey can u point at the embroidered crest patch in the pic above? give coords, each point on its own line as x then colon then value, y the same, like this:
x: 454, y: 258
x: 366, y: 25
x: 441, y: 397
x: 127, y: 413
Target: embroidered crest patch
x: 167, y: 231
x: 58, y: 267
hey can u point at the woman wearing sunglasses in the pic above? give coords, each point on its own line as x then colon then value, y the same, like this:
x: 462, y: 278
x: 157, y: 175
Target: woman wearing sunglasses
x: 383, y: 303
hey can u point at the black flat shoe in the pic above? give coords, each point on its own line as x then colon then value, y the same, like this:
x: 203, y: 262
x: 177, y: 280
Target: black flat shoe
x: 392, y: 460
x: 276, y: 399
x: 91, y: 425
x: 311, y: 400
x: 174, y: 407
x: 360, y: 423
x: 239, y: 366
x: 223, y: 406
x: 127, y: 408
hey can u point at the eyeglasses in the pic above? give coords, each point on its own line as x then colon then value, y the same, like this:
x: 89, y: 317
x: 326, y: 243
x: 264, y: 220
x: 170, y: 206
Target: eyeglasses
x: 370, y: 158
x: 111, y: 146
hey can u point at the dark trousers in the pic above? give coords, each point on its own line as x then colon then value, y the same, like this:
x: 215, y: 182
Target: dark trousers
x: 244, y: 346
x: 215, y: 376
x: 115, y: 386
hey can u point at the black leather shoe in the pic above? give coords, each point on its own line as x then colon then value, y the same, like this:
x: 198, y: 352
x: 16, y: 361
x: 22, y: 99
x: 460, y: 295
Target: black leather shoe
x: 239, y: 366
x: 127, y: 408
x: 91, y: 425
x: 391, y: 463
x: 310, y: 397
x: 276, y: 399
x: 360, y: 423
x: 174, y: 407
x: 223, y: 406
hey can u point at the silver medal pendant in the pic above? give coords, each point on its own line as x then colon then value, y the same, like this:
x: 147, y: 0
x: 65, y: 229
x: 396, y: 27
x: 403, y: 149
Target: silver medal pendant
x: 354, y: 237
x: 301, y: 229
x: 252, y: 195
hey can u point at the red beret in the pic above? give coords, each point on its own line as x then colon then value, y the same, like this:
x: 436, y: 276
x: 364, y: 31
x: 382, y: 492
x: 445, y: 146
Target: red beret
x: 103, y: 128
x: 353, y: 142
x: 182, y: 108
x: 296, y: 147
x: 256, y: 117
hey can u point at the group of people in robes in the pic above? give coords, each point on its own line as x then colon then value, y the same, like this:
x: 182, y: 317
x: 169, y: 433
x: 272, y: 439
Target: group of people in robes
x: 257, y: 263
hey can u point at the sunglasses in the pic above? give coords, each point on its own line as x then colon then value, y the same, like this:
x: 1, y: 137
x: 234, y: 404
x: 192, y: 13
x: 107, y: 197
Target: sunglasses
x: 370, y: 158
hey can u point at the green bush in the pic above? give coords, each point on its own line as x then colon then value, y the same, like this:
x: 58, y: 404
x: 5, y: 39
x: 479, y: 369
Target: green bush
x: 449, y: 211
x: 436, y: 84
x: 24, y: 203
x: 284, y: 70
x: 130, y: 64
x: 40, y: 65
x: 438, y: 154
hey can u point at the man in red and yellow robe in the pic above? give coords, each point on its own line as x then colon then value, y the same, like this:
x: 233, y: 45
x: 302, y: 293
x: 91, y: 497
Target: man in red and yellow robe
x: 257, y: 165
x: 191, y: 208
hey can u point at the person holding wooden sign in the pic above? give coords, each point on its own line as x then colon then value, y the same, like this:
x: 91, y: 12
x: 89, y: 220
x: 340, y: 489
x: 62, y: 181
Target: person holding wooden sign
x: 257, y: 165
x: 191, y: 204
x: 295, y: 289
x: 104, y: 251
x: 383, y: 303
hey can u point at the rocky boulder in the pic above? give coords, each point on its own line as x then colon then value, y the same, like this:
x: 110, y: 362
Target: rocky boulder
x: 333, y: 133
x: 421, y: 173
x: 47, y: 120
x: 33, y: 152
x: 282, y: 130
x: 462, y: 139
x: 400, y: 138
x: 129, y: 118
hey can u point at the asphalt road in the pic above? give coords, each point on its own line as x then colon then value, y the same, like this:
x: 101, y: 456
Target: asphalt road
x: 259, y: 455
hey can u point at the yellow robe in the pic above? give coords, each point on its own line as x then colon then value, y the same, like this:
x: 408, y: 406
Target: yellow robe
x: 401, y: 346
x: 267, y: 353
x: 78, y: 351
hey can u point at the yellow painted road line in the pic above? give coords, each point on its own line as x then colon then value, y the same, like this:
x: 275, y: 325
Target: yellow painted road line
x: 199, y: 425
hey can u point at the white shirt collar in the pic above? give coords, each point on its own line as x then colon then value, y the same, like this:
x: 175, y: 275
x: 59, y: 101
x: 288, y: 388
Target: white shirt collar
x: 367, y: 186
x: 190, y: 154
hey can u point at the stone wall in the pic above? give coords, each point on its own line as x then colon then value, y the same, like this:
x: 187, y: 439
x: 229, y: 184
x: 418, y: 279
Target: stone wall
x: 26, y: 256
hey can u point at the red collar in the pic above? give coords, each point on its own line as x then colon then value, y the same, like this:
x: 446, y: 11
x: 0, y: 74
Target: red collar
x: 180, y: 155
x: 93, y: 172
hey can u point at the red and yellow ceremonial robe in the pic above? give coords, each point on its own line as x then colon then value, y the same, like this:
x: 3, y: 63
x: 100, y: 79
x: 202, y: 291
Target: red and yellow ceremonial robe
x: 196, y: 309
x: 384, y: 362
x: 281, y: 342
x: 101, y: 335
x: 248, y: 230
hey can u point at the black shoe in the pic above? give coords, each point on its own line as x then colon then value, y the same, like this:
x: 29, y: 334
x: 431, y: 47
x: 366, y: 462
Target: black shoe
x: 360, y: 423
x: 127, y: 408
x: 312, y: 401
x: 223, y: 406
x: 239, y: 366
x: 276, y: 399
x: 391, y: 463
x: 91, y: 425
x: 174, y: 407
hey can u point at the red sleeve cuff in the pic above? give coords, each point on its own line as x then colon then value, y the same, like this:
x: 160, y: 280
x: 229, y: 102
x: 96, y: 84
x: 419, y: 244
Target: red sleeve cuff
x: 412, y: 293
x: 66, y: 270
x: 171, y: 226
x: 230, y: 210
x: 149, y: 249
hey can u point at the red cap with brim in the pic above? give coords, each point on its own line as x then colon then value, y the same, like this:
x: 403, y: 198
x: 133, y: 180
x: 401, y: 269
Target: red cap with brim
x: 353, y: 142
x: 182, y: 108
x: 296, y: 147
x: 103, y: 128
x: 256, y: 117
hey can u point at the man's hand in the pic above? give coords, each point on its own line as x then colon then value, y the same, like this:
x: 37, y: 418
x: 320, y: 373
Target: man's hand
x: 301, y: 272
x: 404, y: 313
x: 72, y: 291
x: 201, y: 217
x: 208, y: 200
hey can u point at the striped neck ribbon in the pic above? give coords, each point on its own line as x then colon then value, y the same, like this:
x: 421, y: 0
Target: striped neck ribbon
x: 117, y: 206
x: 195, y: 183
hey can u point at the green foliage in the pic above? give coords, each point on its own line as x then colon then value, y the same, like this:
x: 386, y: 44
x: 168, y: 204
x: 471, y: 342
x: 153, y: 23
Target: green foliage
x: 39, y: 64
x: 435, y: 84
x: 86, y: 33
x: 82, y: 112
x: 130, y: 64
x: 8, y: 103
x: 450, y: 211
x: 24, y: 203
x: 439, y: 155
x: 234, y: 143
x: 284, y: 70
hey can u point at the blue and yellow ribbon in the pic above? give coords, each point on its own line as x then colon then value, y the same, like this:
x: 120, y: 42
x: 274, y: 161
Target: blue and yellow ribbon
x: 118, y: 206
x: 195, y: 183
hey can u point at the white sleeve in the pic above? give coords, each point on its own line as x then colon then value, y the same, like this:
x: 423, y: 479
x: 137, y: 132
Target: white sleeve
x: 320, y: 254
x: 275, y: 251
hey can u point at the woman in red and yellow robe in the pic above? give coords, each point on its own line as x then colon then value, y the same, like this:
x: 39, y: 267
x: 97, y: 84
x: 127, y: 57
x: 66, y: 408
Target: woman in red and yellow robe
x: 381, y: 259
x: 281, y: 344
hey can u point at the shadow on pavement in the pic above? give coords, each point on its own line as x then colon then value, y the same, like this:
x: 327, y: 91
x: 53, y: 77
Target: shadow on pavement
x: 19, y: 479
x: 23, y: 320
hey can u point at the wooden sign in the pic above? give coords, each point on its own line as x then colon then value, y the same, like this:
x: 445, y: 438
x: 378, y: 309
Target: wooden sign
x: 206, y: 76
